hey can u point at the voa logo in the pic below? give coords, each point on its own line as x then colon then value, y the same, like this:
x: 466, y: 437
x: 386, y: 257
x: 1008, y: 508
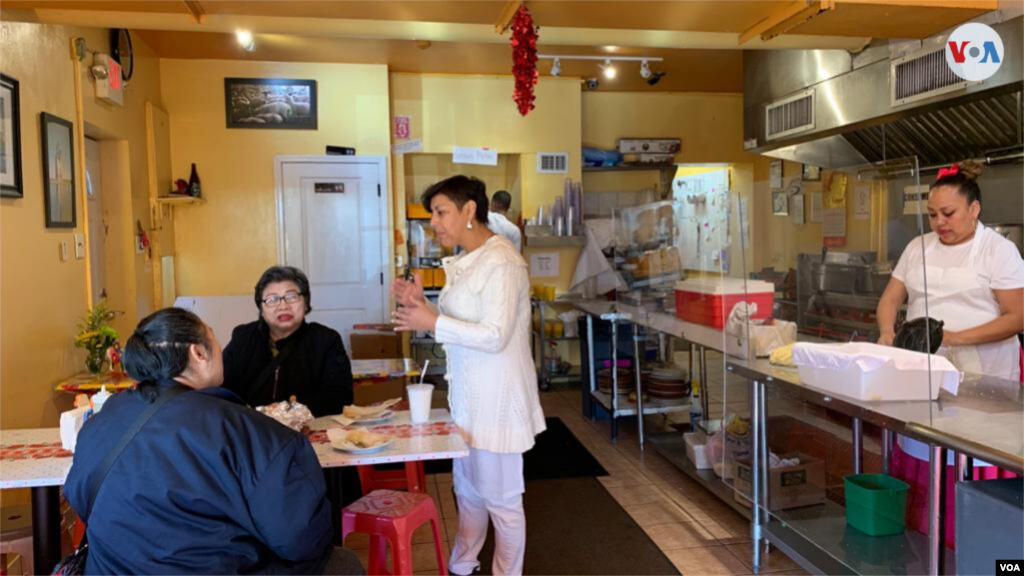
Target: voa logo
x: 974, y: 52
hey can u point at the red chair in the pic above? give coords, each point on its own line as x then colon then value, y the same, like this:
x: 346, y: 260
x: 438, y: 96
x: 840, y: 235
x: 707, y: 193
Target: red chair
x: 413, y: 478
x: 392, y: 517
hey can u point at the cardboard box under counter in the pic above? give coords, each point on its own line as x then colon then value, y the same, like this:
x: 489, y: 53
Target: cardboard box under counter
x: 788, y: 486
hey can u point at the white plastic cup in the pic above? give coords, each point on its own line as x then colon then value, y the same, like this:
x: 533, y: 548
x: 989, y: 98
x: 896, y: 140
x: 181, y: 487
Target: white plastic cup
x: 420, y: 396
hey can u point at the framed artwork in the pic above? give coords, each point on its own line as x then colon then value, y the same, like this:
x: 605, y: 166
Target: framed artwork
x: 10, y: 138
x: 270, y: 103
x: 812, y: 173
x: 775, y: 175
x: 58, y: 139
x: 780, y: 203
x: 797, y: 208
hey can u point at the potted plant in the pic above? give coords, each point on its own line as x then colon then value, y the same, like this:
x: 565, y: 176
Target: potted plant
x: 95, y: 335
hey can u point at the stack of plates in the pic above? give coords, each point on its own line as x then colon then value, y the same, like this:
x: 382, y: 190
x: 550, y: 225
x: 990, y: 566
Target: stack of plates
x: 668, y: 383
x: 626, y: 382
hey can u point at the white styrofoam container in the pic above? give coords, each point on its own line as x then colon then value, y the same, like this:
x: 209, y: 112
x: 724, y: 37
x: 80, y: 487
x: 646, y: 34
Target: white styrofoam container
x: 874, y: 373
x: 696, y: 452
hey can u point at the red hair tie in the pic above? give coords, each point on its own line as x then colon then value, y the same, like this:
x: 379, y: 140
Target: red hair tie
x: 953, y: 170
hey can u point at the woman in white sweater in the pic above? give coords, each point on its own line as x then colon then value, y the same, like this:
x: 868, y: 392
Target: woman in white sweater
x: 483, y: 322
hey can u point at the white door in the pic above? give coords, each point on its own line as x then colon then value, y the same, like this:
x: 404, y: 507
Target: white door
x: 332, y: 216
x: 97, y: 219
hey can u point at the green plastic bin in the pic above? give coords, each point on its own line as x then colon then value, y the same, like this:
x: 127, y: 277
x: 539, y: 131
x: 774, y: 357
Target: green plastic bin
x: 876, y: 504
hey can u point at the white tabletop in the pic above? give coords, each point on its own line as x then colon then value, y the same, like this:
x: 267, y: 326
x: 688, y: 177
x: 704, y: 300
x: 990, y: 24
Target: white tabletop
x: 30, y: 458
x: 435, y: 440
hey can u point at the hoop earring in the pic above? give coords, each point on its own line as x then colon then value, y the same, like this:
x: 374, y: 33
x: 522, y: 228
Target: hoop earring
x: 469, y: 225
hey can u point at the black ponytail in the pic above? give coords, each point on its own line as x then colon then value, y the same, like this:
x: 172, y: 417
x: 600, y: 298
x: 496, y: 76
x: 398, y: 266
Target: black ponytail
x: 158, y: 350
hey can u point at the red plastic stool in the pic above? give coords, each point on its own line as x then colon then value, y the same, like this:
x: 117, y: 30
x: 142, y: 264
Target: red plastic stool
x: 413, y: 478
x: 392, y: 517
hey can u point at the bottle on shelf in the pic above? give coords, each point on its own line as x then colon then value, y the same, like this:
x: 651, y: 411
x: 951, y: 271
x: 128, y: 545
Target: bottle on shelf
x: 696, y: 410
x: 194, y: 188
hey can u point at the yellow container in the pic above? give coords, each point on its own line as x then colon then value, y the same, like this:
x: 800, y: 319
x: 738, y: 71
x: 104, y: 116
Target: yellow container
x: 549, y: 293
x: 439, y: 278
x: 558, y: 330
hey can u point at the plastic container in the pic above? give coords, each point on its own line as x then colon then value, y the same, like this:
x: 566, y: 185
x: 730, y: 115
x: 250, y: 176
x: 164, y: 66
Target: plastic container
x: 696, y: 452
x: 100, y: 398
x: 876, y: 504
x: 708, y: 301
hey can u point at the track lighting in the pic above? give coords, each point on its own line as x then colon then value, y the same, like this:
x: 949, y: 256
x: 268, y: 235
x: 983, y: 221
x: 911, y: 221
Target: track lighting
x: 556, y: 68
x: 245, y: 40
x: 645, y: 70
x: 608, y: 70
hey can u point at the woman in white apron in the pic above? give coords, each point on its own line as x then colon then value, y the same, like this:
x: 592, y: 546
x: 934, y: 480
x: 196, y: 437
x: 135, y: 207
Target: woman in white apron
x: 975, y: 285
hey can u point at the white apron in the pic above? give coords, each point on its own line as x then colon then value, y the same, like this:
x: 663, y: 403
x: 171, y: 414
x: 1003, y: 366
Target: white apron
x: 962, y: 299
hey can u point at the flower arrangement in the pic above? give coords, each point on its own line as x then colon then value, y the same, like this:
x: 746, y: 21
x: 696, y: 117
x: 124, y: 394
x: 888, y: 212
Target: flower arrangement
x: 96, y: 335
x: 524, y: 60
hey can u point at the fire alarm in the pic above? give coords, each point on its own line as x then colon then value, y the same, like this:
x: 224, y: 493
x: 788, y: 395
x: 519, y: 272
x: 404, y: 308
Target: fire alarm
x: 109, y: 83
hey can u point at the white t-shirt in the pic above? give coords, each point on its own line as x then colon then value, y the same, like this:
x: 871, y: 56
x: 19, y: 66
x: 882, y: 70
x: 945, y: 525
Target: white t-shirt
x: 996, y: 261
x: 504, y: 227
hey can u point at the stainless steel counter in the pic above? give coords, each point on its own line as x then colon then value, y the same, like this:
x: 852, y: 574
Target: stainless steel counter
x: 985, y: 419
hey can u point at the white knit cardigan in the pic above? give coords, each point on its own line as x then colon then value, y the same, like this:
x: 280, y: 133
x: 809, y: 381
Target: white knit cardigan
x: 485, y: 329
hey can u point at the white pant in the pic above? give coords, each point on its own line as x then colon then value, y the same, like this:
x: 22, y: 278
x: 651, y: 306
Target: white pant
x: 489, y: 486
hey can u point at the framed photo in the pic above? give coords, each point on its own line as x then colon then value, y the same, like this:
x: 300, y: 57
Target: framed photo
x: 775, y: 175
x: 270, y: 103
x: 797, y: 208
x: 10, y: 138
x: 780, y: 203
x: 58, y: 139
x: 812, y: 173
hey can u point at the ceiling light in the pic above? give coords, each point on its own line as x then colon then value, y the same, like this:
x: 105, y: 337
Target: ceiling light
x: 556, y: 68
x: 245, y: 40
x: 645, y: 70
x: 609, y: 70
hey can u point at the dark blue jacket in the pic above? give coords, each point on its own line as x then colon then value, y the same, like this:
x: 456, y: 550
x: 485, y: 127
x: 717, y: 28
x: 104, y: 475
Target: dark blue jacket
x: 207, y: 486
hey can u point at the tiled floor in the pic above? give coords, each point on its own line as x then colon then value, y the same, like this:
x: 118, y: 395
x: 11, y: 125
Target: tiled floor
x: 698, y: 533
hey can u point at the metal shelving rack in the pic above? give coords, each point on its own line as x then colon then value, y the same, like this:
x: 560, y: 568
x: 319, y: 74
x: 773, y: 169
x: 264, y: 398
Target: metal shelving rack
x: 545, y: 379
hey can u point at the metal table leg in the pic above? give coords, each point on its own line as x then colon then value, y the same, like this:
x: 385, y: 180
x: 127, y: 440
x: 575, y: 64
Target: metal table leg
x: 887, y: 437
x: 45, y: 528
x: 639, y: 394
x: 755, y: 493
x: 591, y: 368
x: 615, y: 381
x: 936, y: 505
x: 858, y: 446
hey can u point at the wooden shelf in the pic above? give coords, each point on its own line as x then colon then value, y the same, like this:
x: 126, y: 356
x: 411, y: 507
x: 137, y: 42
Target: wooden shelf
x: 181, y: 200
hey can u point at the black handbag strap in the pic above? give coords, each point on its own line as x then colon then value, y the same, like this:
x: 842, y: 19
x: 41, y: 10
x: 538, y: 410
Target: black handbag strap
x: 166, y: 394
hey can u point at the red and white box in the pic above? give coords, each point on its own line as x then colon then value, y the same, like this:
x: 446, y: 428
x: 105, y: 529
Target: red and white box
x: 708, y: 301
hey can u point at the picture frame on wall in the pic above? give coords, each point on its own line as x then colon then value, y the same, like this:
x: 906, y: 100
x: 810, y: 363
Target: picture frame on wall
x: 58, y: 151
x: 780, y: 203
x: 10, y: 138
x: 775, y: 175
x: 270, y: 103
x: 811, y: 173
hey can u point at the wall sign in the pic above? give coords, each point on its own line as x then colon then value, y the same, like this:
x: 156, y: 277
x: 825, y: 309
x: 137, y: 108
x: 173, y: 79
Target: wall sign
x: 544, y: 265
x: 403, y: 127
x: 329, y: 187
x: 481, y: 156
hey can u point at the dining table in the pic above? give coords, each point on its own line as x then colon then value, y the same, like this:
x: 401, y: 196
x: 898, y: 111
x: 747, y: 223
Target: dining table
x: 35, y: 459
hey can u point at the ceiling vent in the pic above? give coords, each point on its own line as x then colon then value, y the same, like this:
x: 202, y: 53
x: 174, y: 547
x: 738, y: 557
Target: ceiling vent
x: 552, y: 162
x: 923, y: 75
x: 790, y: 115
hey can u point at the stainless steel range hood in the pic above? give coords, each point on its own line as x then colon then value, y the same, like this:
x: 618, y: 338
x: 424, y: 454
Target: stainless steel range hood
x: 833, y: 109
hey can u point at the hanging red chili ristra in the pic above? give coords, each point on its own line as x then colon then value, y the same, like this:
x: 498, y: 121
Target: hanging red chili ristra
x: 524, y: 59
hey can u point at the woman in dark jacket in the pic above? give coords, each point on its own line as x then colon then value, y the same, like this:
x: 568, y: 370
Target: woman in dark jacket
x: 282, y: 355
x: 207, y: 485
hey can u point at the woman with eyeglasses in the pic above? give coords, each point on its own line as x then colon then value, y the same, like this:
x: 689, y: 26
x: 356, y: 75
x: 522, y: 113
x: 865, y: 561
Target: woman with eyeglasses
x: 282, y: 355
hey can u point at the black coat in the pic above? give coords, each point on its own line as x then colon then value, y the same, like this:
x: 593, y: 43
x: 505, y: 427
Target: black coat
x: 316, y: 370
x: 207, y: 486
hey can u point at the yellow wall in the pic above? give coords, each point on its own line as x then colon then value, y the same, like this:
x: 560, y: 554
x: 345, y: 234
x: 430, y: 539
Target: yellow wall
x: 478, y: 111
x: 222, y: 247
x: 42, y: 298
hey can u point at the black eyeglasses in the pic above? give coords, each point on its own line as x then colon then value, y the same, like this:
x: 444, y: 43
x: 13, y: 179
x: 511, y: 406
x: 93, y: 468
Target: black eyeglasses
x: 290, y: 298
